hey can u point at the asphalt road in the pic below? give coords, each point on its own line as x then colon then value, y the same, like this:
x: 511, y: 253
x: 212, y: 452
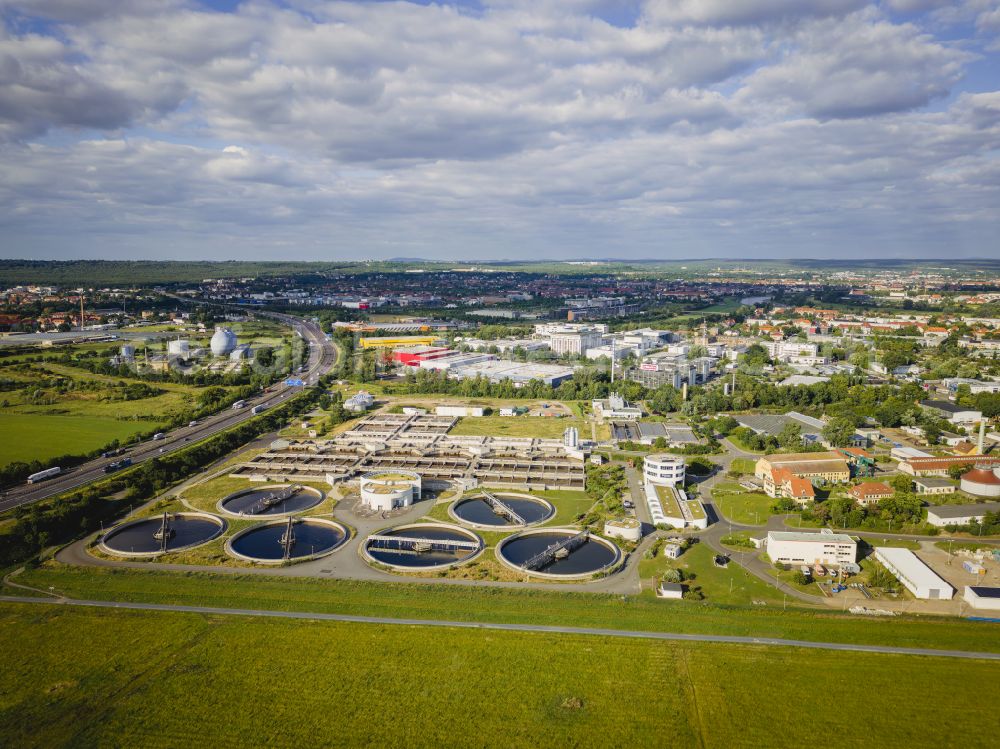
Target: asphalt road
x: 322, y: 357
x: 539, y: 628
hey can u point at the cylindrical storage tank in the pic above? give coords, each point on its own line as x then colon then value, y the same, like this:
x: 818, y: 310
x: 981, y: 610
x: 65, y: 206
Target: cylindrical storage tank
x: 179, y: 348
x: 223, y: 342
x: 389, y: 490
x: 628, y: 529
x: 664, y: 469
x: 981, y: 481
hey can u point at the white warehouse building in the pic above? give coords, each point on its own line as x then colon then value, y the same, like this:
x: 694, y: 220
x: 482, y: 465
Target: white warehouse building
x: 918, y: 578
x: 825, y: 547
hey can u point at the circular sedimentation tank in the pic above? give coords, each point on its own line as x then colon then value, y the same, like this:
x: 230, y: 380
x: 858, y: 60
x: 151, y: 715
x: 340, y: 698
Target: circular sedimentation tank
x: 558, y: 553
x: 161, y: 534
x: 270, y: 543
x: 422, y: 546
x: 271, y: 500
x: 509, y: 511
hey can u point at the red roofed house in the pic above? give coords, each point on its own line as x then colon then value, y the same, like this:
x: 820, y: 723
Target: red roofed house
x: 781, y: 482
x: 870, y: 493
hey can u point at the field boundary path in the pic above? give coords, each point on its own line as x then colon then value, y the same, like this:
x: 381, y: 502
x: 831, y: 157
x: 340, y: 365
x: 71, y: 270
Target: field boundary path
x: 539, y: 628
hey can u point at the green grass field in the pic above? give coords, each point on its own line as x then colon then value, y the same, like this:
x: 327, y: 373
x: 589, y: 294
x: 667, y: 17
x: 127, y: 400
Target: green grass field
x: 741, y: 506
x: 730, y: 586
x: 463, y: 603
x: 26, y: 437
x: 519, y: 426
x: 114, y: 678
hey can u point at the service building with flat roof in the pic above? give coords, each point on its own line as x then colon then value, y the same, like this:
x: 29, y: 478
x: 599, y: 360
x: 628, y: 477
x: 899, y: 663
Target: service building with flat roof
x: 943, y: 515
x: 914, y: 574
x: 825, y: 547
x: 981, y: 597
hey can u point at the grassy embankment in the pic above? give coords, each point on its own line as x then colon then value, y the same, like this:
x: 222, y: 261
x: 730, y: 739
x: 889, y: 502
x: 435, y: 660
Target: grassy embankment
x: 489, y: 604
x: 87, y: 678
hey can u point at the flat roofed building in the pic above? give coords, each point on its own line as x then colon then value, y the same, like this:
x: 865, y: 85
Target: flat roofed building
x: 954, y: 413
x: 943, y: 515
x: 914, y: 574
x: 827, y: 466
x: 932, y: 485
x: 825, y: 547
x: 981, y: 597
x: 616, y: 407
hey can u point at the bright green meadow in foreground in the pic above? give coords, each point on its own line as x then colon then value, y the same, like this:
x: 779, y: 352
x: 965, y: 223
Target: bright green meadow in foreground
x: 75, y: 678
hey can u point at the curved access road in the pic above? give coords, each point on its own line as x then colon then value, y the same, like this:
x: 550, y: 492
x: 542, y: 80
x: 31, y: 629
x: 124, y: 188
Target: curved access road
x: 541, y: 628
x: 323, y: 355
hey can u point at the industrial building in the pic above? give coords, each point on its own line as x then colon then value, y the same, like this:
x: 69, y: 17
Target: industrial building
x: 647, y: 432
x: 826, y: 548
x: 615, y: 407
x: 810, y: 429
x: 913, y: 573
x: 944, y: 515
x: 934, y: 466
x: 952, y: 412
x: 411, y: 340
x: 519, y: 373
x: 982, y: 598
x: 574, y: 340
x: 412, y: 356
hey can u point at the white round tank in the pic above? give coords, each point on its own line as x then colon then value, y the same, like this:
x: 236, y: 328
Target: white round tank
x: 180, y: 348
x: 223, y: 342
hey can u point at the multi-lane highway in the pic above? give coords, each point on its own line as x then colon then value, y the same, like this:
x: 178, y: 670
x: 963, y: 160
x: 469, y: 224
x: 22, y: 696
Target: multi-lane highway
x: 322, y: 358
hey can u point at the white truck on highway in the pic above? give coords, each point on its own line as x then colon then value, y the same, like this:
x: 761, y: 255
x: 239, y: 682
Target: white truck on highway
x: 42, y: 475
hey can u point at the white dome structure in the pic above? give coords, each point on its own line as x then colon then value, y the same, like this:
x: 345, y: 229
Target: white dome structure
x: 223, y: 342
x: 982, y: 481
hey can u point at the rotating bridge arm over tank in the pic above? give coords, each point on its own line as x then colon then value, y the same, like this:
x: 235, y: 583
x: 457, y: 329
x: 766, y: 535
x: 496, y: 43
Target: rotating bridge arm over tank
x: 550, y: 553
x: 503, y: 509
x: 274, y: 498
x: 408, y: 543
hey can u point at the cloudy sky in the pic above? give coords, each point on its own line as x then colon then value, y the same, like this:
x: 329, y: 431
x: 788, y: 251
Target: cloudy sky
x: 499, y: 129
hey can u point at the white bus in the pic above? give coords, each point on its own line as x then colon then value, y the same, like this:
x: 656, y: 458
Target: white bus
x: 257, y: 409
x: 42, y: 475
x: 159, y: 436
x: 238, y: 405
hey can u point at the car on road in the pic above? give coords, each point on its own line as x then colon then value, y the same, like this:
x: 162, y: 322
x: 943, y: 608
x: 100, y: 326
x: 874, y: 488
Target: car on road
x: 192, y: 423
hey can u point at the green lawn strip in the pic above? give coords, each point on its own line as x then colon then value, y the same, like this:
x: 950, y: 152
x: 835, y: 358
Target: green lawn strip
x: 470, y: 603
x: 550, y: 427
x: 128, y: 678
x: 569, y: 504
x: 732, y: 585
x: 741, y: 506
